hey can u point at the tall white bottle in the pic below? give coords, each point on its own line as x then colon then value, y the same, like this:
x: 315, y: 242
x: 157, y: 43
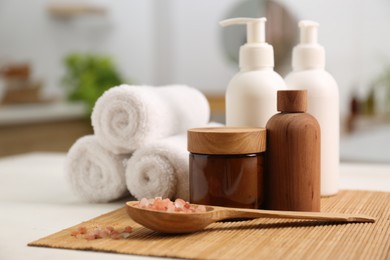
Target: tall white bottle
x: 308, y: 62
x: 251, y: 94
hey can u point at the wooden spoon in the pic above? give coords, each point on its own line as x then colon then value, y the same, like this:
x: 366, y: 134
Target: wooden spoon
x: 176, y: 222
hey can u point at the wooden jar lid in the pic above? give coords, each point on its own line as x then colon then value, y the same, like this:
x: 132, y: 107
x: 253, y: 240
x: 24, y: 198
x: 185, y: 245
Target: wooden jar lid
x: 294, y: 101
x: 226, y: 140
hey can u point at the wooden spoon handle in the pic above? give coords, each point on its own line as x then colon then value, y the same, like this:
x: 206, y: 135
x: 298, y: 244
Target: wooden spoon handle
x: 225, y: 213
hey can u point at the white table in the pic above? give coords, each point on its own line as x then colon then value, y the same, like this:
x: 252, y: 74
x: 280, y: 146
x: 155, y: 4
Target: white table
x: 35, y: 201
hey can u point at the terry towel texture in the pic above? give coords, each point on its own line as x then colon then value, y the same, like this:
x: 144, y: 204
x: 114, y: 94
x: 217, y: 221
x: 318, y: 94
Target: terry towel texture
x: 161, y: 169
x: 126, y: 118
x: 94, y: 173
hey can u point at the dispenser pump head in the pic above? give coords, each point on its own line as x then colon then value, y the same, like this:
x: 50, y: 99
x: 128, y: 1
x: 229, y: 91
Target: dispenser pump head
x: 255, y: 28
x: 256, y: 53
x: 308, y: 54
x: 308, y: 32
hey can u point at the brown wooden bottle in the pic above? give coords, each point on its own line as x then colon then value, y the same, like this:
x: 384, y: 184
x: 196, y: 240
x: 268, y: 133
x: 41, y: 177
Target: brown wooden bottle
x: 293, y: 155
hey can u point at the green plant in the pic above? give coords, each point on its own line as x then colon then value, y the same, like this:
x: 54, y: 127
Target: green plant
x: 383, y: 82
x: 87, y: 76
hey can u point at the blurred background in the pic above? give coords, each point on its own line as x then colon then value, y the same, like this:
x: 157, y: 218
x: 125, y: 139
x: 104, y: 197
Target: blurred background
x: 57, y: 57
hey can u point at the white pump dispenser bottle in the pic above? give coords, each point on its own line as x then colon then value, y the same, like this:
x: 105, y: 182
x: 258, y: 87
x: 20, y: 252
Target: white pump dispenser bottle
x: 251, y: 94
x: 308, y: 62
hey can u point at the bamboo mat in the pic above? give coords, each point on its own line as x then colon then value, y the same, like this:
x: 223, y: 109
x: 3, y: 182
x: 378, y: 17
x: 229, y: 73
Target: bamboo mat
x: 254, y: 239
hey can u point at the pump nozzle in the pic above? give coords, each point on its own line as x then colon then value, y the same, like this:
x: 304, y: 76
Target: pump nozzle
x: 308, y: 32
x: 255, y: 27
x: 256, y: 53
x: 308, y: 54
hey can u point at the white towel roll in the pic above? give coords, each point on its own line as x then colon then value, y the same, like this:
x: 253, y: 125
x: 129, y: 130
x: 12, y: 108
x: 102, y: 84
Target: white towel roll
x: 161, y: 169
x: 126, y: 118
x: 94, y: 173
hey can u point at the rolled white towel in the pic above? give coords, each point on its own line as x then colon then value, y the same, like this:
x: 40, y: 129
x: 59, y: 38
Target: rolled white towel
x: 160, y: 169
x: 126, y: 118
x: 94, y: 173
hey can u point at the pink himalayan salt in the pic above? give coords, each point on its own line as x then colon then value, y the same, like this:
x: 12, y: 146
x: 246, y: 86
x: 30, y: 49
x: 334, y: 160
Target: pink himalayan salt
x: 179, y: 205
x: 99, y: 232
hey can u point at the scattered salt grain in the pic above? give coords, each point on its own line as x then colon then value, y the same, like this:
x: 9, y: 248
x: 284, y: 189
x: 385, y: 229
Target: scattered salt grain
x: 99, y: 232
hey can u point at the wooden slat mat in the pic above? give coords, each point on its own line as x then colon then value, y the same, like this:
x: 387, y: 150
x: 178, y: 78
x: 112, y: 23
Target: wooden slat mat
x: 254, y: 239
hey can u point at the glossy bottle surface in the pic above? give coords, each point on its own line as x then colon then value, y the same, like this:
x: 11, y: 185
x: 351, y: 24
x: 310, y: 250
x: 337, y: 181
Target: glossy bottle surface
x: 323, y: 104
x: 227, y: 180
x: 251, y: 97
x: 308, y: 62
x: 251, y: 94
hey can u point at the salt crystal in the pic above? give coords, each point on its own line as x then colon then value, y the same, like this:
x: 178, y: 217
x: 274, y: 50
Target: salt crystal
x: 179, y: 203
x: 171, y: 207
x: 144, y: 203
x: 128, y: 229
x: 125, y: 235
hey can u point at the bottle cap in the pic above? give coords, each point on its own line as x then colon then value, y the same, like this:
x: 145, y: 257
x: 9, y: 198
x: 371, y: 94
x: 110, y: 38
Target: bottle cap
x: 308, y: 54
x: 256, y: 53
x: 292, y: 101
x: 226, y: 140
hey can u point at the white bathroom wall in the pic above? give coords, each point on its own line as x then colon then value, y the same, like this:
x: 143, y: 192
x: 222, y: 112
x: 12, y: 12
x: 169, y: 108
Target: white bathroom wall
x: 29, y: 33
x: 178, y: 41
x: 354, y: 35
x: 197, y: 58
x: 356, y: 38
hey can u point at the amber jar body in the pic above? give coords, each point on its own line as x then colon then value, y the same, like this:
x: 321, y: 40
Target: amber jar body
x: 226, y: 166
x: 227, y: 180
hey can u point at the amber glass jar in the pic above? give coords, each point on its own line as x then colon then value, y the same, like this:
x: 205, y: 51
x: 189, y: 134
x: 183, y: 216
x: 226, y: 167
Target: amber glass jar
x: 226, y: 166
